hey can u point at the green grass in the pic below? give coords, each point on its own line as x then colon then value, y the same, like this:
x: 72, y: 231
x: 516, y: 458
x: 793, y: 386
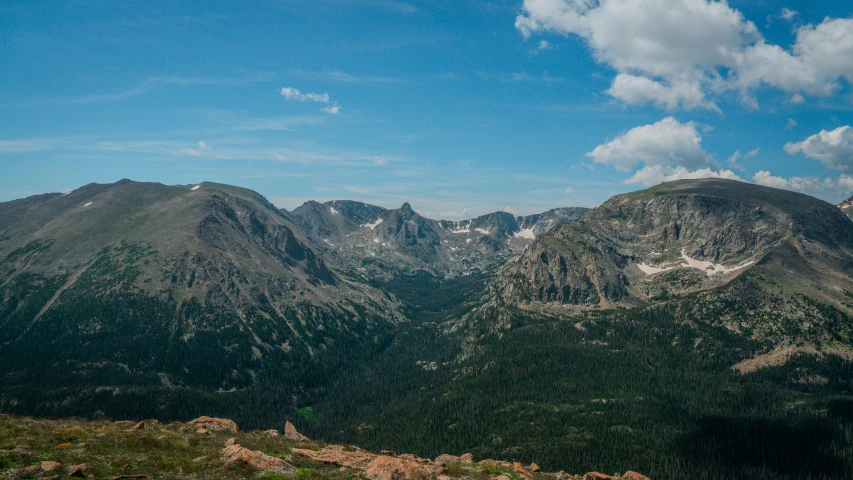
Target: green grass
x: 161, y: 450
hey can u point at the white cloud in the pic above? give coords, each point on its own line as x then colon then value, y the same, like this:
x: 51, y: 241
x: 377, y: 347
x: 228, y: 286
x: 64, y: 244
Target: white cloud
x: 541, y: 47
x: 294, y: 94
x: 667, y: 142
x: 676, y: 53
x: 842, y: 185
x: 332, y: 109
x: 638, y: 90
x: 202, y: 149
x: 655, y: 174
x: 380, y: 161
x: 834, y: 149
x: 788, y: 14
x: 509, y: 209
x: 798, y: 99
x: 733, y: 160
x: 570, y: 191
x: 791, y: 123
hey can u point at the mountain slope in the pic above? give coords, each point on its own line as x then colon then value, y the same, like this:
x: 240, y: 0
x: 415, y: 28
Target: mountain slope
x: 847, y: 207
x: 204, y: 287
x: 378, y: 242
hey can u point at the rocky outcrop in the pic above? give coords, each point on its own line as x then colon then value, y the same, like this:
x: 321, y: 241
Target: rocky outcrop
x: 290, y: 433
x: 214, y: 424
x: 238, y: 456
x: 338, y: 458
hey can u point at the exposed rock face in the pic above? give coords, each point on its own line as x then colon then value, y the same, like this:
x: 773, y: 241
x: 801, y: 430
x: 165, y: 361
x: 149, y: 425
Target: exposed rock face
x: 271, y: 433
x: 715, y: 228
x: 215, y: 424
x: 847, y: 207
x: 517, y: 468
x: 376, y: 240
x: 290, y: 433
x: 50, y: 466
x: 338, y: 458
x: 390, y: 468
x: 235, y: 456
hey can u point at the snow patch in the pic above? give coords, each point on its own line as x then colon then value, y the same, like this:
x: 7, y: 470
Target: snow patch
x: 374, y: 224
x: 84, y: 206
x: 710, y: 268
x: 375, y: 240
x: 483, y: 231
x: 195, y: 187
x: 650, y: 270
x: 526, y: 233
x: 467, y: 240
x: 334, y: 212
x: 461, y: 229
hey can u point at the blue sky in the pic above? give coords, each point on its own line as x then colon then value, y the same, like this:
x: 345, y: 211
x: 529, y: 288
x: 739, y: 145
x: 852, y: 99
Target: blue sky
x: 460, y: 108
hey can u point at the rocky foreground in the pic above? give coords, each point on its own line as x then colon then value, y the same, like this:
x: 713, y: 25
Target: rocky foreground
x: 214, y: 448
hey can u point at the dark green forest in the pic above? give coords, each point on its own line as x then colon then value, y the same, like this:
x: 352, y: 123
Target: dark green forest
x: 639, y: 389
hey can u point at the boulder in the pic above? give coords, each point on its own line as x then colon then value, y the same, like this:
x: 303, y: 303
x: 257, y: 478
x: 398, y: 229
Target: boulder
x: 230, y: 441
x: 214, y: 424
x: 139, y: 426
x: 334, y: 457
x: 79, y: 471
x: 466, y: 458
x: 517, y: 468
x: 271, y: 433
x: 237, y: 456
x: 445, y: 460
x: 50, y: 466
x: 290, y: 433
x: 534, y: 468
x: 598, y: 476
x: 500, y: 477
x: 415, y: 458
x: 634, y: 476
x: 389, y: 468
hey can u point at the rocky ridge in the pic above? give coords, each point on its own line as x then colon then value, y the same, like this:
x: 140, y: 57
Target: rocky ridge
x: 174, y: 442
x: 379, y: 242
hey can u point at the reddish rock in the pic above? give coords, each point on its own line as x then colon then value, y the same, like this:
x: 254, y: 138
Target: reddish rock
x: 445, y: 460
x: 634, y: 476
x: 517, y: 468
x: 337, y: 458
x: 237, y: 456
x: 79, y: 470
x: 389, y: 468
x: 500, y: 477
x: 290, y: 433
x: 139, y: 426
x: 271, y: 433
x: 534, y: 468
x: 598, y: 476
x: 415, y: 458
x: 230, y: 441
x: 215, y: 424
x: 50, y: 466
x: 467, y: 458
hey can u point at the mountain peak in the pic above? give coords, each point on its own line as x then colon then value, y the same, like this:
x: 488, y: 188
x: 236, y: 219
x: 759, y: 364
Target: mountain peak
x: 406, y: 208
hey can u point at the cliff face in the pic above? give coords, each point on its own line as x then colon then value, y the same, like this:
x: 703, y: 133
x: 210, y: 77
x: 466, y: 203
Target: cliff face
x: 717, y: 228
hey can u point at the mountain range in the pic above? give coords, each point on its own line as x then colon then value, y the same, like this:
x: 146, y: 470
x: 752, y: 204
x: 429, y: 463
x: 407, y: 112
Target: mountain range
x: 558, y: 335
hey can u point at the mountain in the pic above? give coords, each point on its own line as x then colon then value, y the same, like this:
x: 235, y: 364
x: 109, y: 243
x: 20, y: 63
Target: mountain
x: 847, y: 207
x: 206, y: 287
x: 378, y: 242
x: 697, y: 329
x: 742, y: 248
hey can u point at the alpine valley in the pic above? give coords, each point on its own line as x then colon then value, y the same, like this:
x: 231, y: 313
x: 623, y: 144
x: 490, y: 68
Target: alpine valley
x: 698, y: 329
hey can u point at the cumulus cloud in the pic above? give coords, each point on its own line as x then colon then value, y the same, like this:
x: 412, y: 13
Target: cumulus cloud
x: 834, y: 149
x: 676, y: 53
x: 293, y: 94
x: 655, y: 174
x: 202, y: 149
x: 667, y: 142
